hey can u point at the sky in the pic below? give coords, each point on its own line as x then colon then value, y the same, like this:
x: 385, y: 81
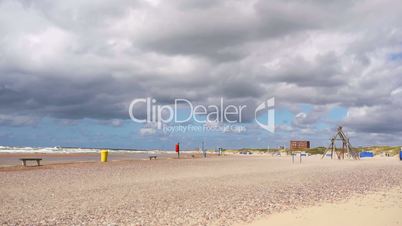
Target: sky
x: 70, y: 69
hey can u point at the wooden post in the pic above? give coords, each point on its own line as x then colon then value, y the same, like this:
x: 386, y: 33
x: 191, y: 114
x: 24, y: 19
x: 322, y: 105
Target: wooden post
x: 178, y: 150
x: 204, y: 152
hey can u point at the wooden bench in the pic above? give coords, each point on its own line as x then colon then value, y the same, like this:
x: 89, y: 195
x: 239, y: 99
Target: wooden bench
x: 152, y: 157
x: 24, y: 161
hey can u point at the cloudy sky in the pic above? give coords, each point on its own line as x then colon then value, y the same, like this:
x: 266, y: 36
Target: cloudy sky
x: 69, y: 69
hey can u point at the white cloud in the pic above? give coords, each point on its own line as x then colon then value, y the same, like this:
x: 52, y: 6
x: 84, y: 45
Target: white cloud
x: 75, y: 59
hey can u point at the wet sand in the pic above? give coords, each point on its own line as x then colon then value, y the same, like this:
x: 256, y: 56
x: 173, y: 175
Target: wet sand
x: 12, y: 159
x: 213, y: 191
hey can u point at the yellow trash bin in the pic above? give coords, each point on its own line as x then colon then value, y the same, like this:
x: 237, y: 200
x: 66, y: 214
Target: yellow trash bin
x: 104, y: 154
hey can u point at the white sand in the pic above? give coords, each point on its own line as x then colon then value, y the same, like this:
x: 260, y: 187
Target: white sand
x: 213, y: 191
x: 379, y: 208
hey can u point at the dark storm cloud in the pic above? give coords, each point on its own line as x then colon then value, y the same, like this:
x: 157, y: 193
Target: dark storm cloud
x: 216, y: 30
x: 296, y: 70
x: 384, y: 117
x: 75, y: 59
x: 101, y: 97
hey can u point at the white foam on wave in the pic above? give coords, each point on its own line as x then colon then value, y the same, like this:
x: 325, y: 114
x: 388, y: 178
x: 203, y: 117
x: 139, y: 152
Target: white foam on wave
x: 44, y: 150
x: 6, y: 149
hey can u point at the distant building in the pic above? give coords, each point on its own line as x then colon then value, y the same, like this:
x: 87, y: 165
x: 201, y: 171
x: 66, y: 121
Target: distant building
x: 299, y: 144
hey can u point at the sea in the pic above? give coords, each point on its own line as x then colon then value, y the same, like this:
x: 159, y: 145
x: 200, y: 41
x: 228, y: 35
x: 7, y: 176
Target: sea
x: 9, y: 149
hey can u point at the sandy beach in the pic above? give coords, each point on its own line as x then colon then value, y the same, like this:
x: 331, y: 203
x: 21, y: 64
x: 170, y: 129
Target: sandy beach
x: 226, y: 190
x: 12, y: 159
x: 376, y: 208
x: 201, y: 112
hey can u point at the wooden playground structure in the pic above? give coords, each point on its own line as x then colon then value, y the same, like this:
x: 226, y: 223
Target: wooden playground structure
x: 345, y: 151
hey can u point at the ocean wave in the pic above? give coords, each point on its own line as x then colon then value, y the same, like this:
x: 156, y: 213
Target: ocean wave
x: 8, y: 149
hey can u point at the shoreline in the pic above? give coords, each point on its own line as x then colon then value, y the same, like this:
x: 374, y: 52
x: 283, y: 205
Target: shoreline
x: 11, y: 162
